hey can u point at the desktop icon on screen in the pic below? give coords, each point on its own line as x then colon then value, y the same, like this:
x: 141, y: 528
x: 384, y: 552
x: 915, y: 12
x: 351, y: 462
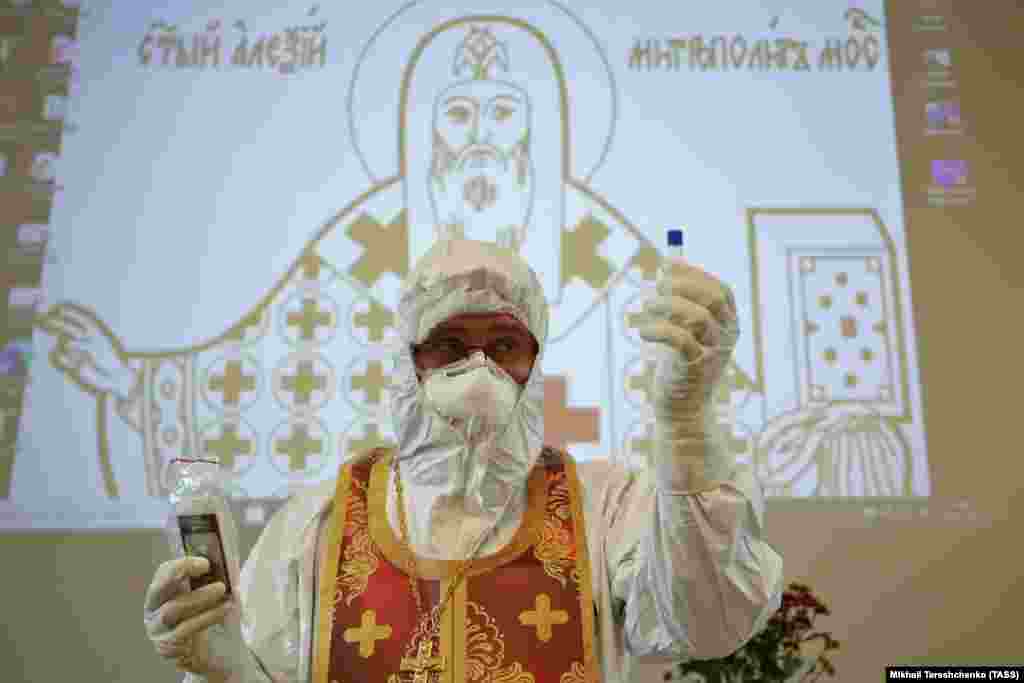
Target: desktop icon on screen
x: 940, y: 59
x: 943, y: 116
x: 16, y: 357
x: 949, y: 172
x: 938, y: 64
x: 928, y: 23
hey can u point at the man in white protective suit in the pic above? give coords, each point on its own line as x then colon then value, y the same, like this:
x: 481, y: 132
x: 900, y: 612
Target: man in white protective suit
x: 473, y: 552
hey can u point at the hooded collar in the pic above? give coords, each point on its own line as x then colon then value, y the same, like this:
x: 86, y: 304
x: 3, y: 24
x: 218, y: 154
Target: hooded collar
x: 454, y: 491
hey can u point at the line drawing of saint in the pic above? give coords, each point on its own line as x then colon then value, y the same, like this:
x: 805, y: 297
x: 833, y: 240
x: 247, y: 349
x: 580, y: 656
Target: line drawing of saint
x: 481, y: 173
x: 484, y: 153
x: 494, y: 142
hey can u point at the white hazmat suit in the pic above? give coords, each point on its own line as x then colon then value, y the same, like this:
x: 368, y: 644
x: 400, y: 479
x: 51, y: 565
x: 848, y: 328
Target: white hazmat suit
x: 680, y: 568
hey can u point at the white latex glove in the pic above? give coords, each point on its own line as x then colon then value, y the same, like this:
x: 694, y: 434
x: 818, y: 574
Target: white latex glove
x: 692, y: 317
x: 199, y: 631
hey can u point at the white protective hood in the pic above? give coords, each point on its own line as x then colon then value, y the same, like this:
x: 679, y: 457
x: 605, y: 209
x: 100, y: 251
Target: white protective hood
x: 453, y: 491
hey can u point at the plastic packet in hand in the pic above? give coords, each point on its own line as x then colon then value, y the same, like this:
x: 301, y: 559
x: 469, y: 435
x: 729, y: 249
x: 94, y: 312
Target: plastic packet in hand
x: 200, y: 522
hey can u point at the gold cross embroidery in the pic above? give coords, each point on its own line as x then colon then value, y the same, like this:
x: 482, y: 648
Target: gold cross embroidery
x: 233, y: 383
x: 298, y: 447
x: 543, y: 617
x: 228, y: 445
x: 423, y: 665
x: 309, y: 319
x: 367, y: 634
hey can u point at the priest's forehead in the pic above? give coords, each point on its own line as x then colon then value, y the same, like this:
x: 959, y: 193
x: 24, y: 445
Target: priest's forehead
x: 467, y: 323
x: 481, y: 91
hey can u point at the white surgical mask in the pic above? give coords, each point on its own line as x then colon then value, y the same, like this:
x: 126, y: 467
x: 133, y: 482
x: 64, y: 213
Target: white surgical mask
x: 474, y: 387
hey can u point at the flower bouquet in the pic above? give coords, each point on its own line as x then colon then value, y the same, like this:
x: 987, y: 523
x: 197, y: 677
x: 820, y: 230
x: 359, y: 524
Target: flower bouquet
x: 786, y: 649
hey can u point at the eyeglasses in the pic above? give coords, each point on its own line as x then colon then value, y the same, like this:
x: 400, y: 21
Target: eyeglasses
x: 447, y: 350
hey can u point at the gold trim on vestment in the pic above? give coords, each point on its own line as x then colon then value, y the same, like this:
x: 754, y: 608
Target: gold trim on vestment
x: 328, y: 577
x: 574, y: 675
x: 399, y: 555
x: 359, y: 561
x: 460, y: 601
x: 555, y: 548
x: 583, y: 566
x: 453, y: 633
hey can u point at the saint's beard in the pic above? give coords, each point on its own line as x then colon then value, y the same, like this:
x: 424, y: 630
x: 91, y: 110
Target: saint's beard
x: 482, y: 192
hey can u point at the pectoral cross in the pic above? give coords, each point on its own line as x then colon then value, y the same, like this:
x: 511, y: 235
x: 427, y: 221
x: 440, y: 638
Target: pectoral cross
x: 424, y: 664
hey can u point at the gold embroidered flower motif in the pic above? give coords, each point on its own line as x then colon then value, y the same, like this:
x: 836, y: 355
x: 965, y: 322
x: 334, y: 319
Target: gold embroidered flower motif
x: 359, y: 559
x: 558, y: 495
x: 573, y: 675
x: 556, y: 550
x: 512, y: 674
x: 485, y: 650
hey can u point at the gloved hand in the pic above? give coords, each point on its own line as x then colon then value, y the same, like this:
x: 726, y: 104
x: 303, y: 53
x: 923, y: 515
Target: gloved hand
x: 693, y: 317
x: 178, y: 622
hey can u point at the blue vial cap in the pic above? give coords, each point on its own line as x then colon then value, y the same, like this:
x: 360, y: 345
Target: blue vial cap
x: 675, y: 238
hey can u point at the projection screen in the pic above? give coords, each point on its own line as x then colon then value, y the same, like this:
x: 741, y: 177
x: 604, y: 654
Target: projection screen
x: 240, y: 187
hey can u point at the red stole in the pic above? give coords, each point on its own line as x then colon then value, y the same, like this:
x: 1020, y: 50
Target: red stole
x: 524, y: 614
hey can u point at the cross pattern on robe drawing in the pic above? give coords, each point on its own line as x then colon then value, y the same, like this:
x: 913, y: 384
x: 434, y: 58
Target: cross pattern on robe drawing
x: 304, y: 382
x: 385, y: 248
x: 373, y: 382
x: 375, y: 321
x: 564, y: 425
x: 372, y: 440
x: 543, y: 617
x: 367, y: 633
x: 423, y: 664
x: 233, y: 383
x: 309, y: 319
x: 581, y: 256
x: 298, y: 447
x: 228, y: 445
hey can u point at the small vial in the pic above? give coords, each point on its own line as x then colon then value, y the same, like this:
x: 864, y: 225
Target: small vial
x: 675, y: 243
x: 674, y: 252
x: 200, y: 522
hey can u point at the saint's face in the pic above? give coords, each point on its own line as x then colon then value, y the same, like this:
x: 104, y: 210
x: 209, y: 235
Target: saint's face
x: 481, y: 122
x: 481, y: 176
x: 508, y: 344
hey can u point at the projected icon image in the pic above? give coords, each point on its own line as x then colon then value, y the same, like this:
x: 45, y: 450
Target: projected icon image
x: 447, y: 122
x: 840, y: 449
